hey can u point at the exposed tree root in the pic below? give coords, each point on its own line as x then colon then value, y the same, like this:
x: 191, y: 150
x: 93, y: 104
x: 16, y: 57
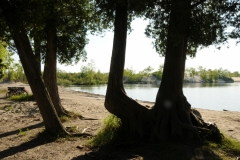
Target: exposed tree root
x: 161, y: 125
x: 134, y: 117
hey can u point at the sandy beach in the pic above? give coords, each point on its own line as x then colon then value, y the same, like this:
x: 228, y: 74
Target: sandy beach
x: 22, y: 121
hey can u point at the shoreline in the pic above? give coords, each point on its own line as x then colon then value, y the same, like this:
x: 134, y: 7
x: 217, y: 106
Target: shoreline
x: 21, y: 122
x: 92, y: 105
x: 4, y: 85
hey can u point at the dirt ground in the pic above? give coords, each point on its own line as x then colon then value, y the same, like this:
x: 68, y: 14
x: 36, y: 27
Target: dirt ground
x: 20, y: 122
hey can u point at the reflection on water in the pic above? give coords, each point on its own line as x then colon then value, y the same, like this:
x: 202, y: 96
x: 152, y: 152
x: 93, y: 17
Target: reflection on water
x: 214, y: 96
x: 195, y: 85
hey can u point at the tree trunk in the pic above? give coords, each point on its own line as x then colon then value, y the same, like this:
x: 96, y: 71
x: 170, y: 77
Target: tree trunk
x: 37, y: 52
x: 50, y: 69
x: 134, y: 117
x: 172, y: 111
x: 49, y: 115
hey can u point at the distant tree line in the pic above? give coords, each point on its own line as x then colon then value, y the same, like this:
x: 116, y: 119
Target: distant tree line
x: 210, y: 76
x: 89, y: 76
x: 86, y: 76
x: 12, y: 71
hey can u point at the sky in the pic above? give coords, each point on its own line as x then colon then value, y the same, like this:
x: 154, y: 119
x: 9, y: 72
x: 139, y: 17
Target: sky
x: 140, y: 53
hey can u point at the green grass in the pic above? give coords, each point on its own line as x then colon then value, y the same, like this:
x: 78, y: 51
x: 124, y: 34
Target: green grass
x: 70, y: 116
x: 111, y: 133
x: 72, y: 129
x: 3, y: 91
x: 74, y: 115
x: 22, y: 132
x: 63, y: 118
x: 22, y: 97
x: 108, y: 133
x: 6, y: 107
x: 228, y: 147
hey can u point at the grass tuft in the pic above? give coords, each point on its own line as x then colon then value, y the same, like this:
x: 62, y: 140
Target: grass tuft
x: 63, y: 118
x: 6, y: 107
x: 228, y: 146
x: 3, y: 91
x: 109, y: 132
x: 74, y: 115
x: 22, y: 132
x: 72, y: 129
x: 22, y: 97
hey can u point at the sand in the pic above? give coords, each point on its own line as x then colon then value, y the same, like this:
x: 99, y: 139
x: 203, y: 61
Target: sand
x: 21, y: 122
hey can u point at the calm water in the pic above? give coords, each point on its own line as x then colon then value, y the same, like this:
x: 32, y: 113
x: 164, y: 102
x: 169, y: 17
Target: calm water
x: 207, y: 96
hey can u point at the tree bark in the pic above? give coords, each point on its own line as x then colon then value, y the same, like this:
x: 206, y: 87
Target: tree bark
x: 37, y: 52
x: 49, y: 115
x: 50, y: 67
x: 173, y: 116
x: 134, y: 117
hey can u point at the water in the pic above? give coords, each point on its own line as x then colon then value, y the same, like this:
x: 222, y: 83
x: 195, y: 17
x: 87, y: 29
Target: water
x: 213, y: 96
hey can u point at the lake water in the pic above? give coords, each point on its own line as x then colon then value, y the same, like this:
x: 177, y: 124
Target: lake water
x: 213, y: 96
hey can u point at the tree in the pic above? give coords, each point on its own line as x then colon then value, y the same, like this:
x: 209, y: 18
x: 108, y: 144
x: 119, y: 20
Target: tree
x: 16, y: 28
x: 2, y: 66
x: 53, y: 26
x: 134, y: 117
x: 159, y: 73
x: 7, y: 61
x: 3, y: 55
x: 231, y: 13
x: 89, y: 72
x: 192, y: 72
x: 177, y: 30
x: 147, y: 71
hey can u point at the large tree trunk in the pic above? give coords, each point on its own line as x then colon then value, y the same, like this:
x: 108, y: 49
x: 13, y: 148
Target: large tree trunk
x: 50, y: 68
x: 172, y: 111
x: 49, y: 115
x: 171, y: 115
x: 134, y: 117
x: 37, y: 52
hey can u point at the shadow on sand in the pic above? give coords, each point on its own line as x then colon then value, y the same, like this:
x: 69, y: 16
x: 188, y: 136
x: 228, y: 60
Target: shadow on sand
x: 25, y: 146
x: 150, y: 152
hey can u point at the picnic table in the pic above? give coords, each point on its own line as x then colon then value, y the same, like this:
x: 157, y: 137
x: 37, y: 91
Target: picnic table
x: 16, y: 91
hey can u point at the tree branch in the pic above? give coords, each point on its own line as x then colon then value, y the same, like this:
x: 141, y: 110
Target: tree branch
x: 196, y: 4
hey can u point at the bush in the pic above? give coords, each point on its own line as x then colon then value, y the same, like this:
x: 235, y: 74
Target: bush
x: 108, y: 133
x: 64, y: 82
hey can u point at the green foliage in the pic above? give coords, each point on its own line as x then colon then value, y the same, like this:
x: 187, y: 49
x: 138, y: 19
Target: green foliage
x: 12, y: 71
x: 213, y: 75
x: 87, y: 76
x: 231, y: 11
x: 64, y: 82
x: 22, y: 132
x: 159, y: 73
x: 6, y: 107
x: 2, y: 66
x: 204, y: 26
x: 22, y: 97
x: 3, y: 91
x: 5, y: 59
x: 235, y: 74
x: 108, y: 134
x: 228, y: 146
x: 72, y: 129
x: 63, y: 118
x: 130, y: 76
